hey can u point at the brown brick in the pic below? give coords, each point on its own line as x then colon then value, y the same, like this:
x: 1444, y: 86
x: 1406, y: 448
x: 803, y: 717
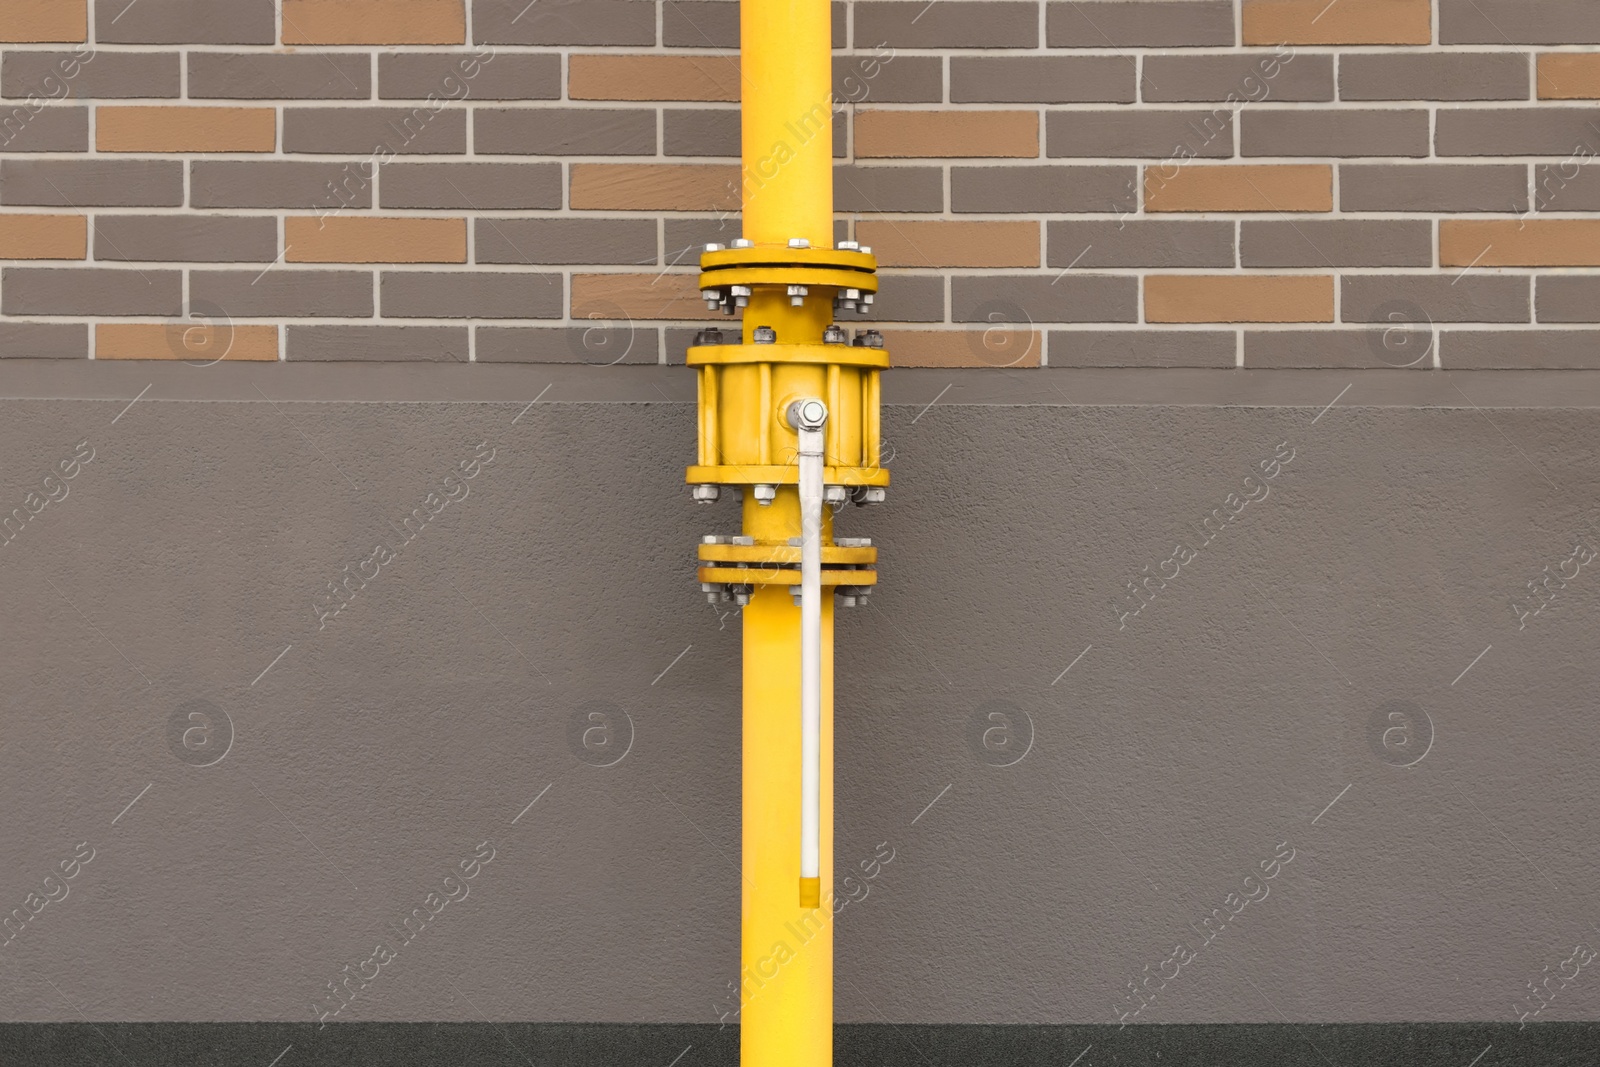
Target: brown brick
x: 1433, y: 187
x: 1042, y: 79
x: 995, y: 346
x: 469, y: 76
x: 331, y: 186
x: 471, y: 295
x: 947, y: 133
x: 1569, y: 76
x: 565, y: 131
x: 1568, y: 298
x: 43, y: 237
x: 44, y: 340
x: 255, y: 76
x: 83, y: 183
x: 652, y: 77
x: 1519, y: 243
x: 1500, y: 22
x: 362, y: 130
x: 1148, y: 134
x: 1034, y: 298
x: 1305, y: 132
x: 1516, y: 131
x: 1290, y: 187
x: 1520, y: 349
x: 33, y: 21
x: 472, y: 186
x: 185, y: 129
x: 284, y: 293
x: 46, y: 129
x: 1457, y: 76
x: 866, y: 77
x: 1336, y: 243
x: 378, y: 344
x: 700, y: 24
x: 1245, y: 77
x: 90, y: 291
x: 565, y: 22
x: 1140, y: 243
x: 1342, y: 22
x: 1403, y: 343
x: 564, y: 241
x: 178, y: 340
x: 951, y: 244
x: 947, y: 24
x: 1238, y: 298
x: 638, y: 296
x: 108, y: 75
x: 603, y: 342
x: 654, y: 187
x: 374, y: 22
x: 374, y: 240
x: 858, y: 188
x: 1139, y: 24
x: 1440, y: 298
x: 185, y: 22
x: 1142, y: 348
x: 180, y: 238
x: 1048, y: 189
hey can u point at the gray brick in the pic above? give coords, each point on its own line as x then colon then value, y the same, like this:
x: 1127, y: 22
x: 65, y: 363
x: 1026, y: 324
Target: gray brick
x: 469, y: 76
x: 1518, y: 22
x: 1036, y: 298
x: 289, y: 184
x: 1336, y: 243
x: 565, y: 131
x: 908, y: 298
x: 700, y: 24
x: 91, y: 183
x: 560, y: 22
x: 864, y: 77
x: 1517, y: 131
x: 1571, y: 185
x: 1139, y: 24
x: 1400, y: 345
x: 1410, y: 76
x: 1249, y: 76
x: 1333, y: 133
x: 683, y: 238
x: 43, y: 128
x: 402, y: 130
x: 1141, y: 348
x: 1432, y: 187
x: 1142, y: 134
x: 280, y: 76
x: 1567, y: 298
x: 1029, y: 190
x: 90, y: 291
x: 471, y: 295
x: 562, y: 241
x: 1140, y: 243
x: 1042, y: 79
x: 1440, y: 298
x: 386, y: 344
x: 281, y: 293
x: 1520, y: 349
x: 185, y: 22
x: 103, y: 75
x: 179, y: 238
x: 601, y: 342
x: 472, y: 186
x: 687, y: 131
x: 872, y: 189
x: 43, y: 340
x: 678, y: 340
x: 947, y: 24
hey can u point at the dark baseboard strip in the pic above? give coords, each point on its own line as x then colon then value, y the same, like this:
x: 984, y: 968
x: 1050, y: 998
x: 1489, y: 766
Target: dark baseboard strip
x: 1550, y: 1044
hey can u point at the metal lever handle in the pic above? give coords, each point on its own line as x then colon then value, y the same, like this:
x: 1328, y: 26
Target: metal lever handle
x: 807, y: 418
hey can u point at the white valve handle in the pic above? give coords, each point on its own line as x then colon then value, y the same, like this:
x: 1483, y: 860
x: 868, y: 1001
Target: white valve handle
x: 808, y: 417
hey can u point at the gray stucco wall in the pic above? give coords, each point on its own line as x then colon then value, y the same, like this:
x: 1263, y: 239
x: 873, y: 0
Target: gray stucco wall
x: 1150, y: 770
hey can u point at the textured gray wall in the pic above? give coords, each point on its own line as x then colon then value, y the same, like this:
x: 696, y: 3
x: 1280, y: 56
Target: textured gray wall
x: 370, y: 757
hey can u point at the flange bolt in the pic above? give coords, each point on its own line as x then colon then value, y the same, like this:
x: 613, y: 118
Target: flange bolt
x: 765, y: 494
x: 708, y: 337
x: 765, y: 335
x: 833, y: 335
x: 868, y: 339
x: 706, y: 494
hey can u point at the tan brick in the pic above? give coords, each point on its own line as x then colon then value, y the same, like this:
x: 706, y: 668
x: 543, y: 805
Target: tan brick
x: 948, y: 134
x: 44, y: 20
x: 1238, y: 298
x: 611, y: 297
x: 1291, y: 187
x: 1519, y: 243
x: 43, y: 237
x: 952, y: 244
x: 1569, y: 76
x: 186, y: 129
x: 654, y: 187
x: 613, y: 77
x: 196, y: 341
x: 374, y: 240
x: 994, y: 346
x: 374, y: 22
x: 1340, y: 22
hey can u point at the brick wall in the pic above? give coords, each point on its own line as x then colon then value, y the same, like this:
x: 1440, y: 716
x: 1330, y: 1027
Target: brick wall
x: 1265, y: 183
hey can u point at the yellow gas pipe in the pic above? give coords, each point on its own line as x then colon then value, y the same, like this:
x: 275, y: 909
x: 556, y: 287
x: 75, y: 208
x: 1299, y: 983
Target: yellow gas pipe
x: 789, y: 279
